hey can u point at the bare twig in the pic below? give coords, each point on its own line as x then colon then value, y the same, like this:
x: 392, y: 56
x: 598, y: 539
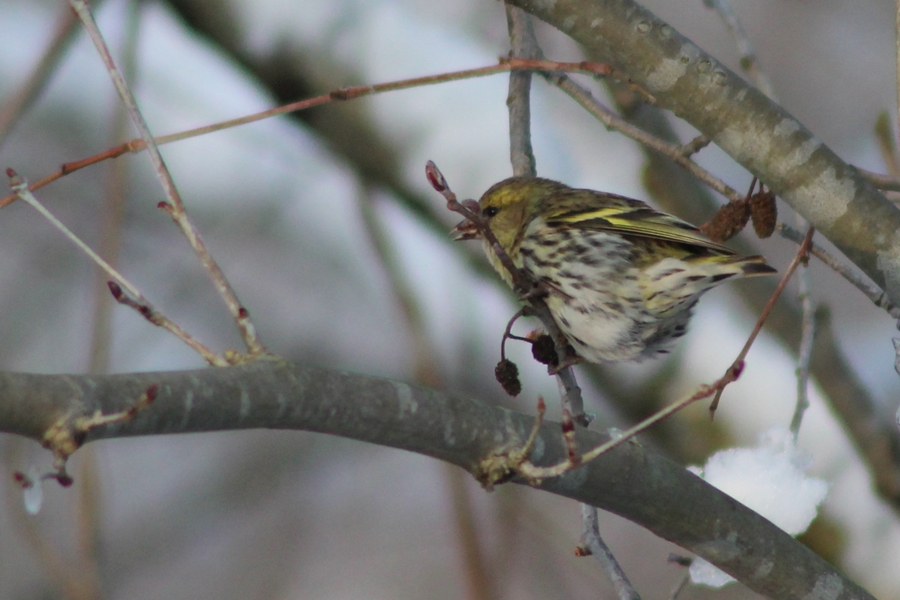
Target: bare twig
x: 750, y: 63
x: 146, y: 310
x: 748, y: 58
x: 533, y: 473
x: 174, y: 207
x: 114, y: 201
x: 680, y: 155
x: 804, y: 352
x: 19, y: 186
x: 347, y: 93
x: 469, y: 209
x: 524, y: 47
x: 738, y: 363
x: 592, y: 541
x: 133, y: 298
x: 870, y: 290
x: 68, y: 432
x: 680, y: 586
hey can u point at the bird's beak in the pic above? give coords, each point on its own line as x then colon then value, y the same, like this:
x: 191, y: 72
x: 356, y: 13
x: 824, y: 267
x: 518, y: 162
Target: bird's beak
x: 464, y: 230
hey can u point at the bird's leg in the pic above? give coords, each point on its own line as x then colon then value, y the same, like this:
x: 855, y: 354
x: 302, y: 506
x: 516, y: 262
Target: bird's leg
x: 543, y: 348
x: 570, y: 360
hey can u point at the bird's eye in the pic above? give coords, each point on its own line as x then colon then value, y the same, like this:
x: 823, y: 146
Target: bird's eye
x: 490, y: 211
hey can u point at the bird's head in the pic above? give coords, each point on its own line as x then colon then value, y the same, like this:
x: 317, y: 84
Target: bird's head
x: 509, y: 207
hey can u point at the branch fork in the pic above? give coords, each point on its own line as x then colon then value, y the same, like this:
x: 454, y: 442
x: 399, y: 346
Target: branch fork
x: 67, y: 434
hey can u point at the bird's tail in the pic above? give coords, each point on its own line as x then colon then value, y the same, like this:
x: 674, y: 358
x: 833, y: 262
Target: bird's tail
x: 750, y: 266
x: 672, y: 284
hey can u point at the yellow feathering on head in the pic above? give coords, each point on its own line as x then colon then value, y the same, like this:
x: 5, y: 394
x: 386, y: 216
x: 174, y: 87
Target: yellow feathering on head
x: 509, y: 206
x: 509, y: 211
x: 513, y: 204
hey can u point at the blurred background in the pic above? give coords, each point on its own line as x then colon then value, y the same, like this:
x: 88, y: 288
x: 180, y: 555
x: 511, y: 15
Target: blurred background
x: 326, y: 227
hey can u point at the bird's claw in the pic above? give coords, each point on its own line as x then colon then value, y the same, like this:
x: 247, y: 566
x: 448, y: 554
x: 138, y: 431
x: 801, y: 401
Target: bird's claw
x: 571, y: 360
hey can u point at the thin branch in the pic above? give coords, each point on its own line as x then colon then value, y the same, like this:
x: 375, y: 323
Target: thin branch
x: 804, y: 351
x: 883, y: 182
x: 680, y: 155
x: 137, y: 301
x: 535, y: 474
x: 878, y: 297
x: 114, y: 199
x: 346, y: 93
x: 800, y: 257
x: 19, y: 186
x: 174, y: 207
x: 146, y: 310
x: 750, y: 63
x: 524, y: 46
x: 749, y: 60
x: 598, y: 548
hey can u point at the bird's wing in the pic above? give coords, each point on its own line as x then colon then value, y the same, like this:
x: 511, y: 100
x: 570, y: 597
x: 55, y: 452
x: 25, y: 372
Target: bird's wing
x: 632, y: 217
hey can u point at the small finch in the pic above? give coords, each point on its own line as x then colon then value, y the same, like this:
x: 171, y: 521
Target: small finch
x: 619, y: 277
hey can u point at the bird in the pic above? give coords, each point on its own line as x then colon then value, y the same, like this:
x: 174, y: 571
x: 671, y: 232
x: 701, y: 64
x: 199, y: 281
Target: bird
x: 620, y: 278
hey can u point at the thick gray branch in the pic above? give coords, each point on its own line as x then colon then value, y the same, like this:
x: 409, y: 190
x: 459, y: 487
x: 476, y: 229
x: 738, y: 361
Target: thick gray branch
x: 630, y: 481
x: 755, y: 131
